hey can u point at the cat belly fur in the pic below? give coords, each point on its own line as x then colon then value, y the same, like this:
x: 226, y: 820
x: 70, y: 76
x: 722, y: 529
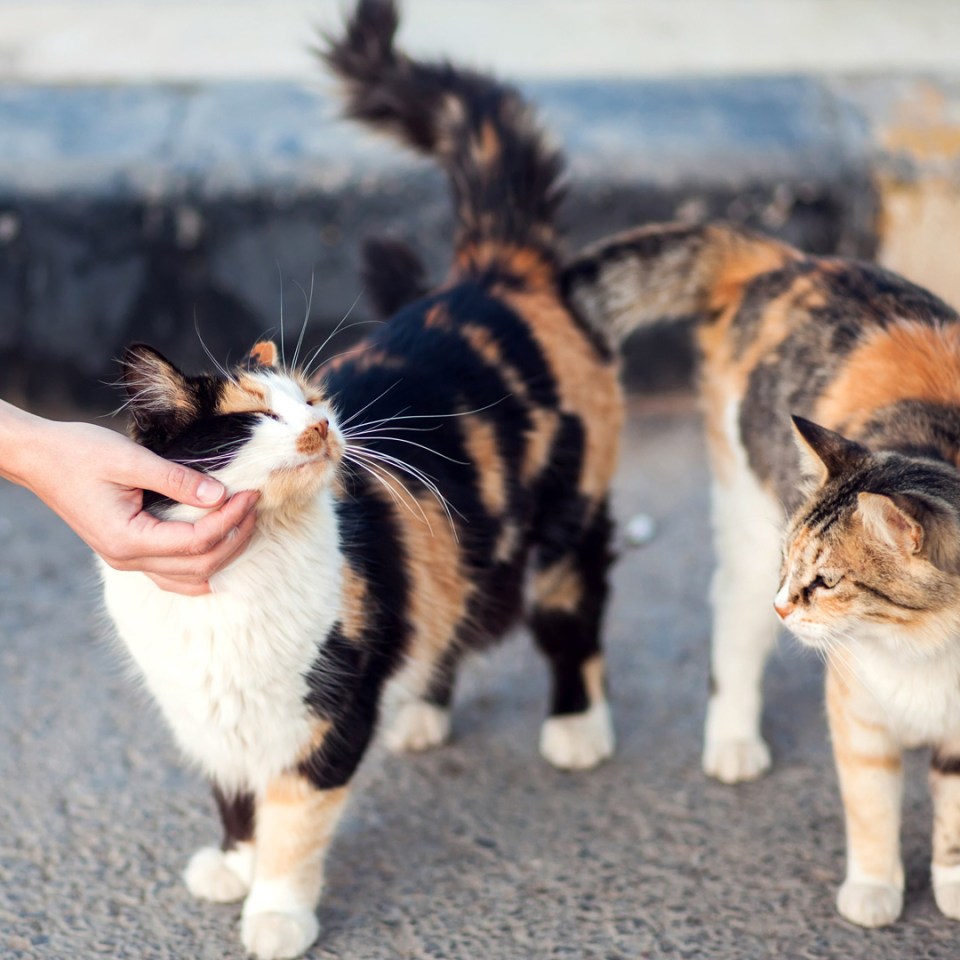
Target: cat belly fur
x: 228, y: 669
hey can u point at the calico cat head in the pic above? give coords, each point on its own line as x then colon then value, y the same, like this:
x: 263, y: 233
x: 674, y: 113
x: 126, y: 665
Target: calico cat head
x: 874, y: 550
x: 258, y: 427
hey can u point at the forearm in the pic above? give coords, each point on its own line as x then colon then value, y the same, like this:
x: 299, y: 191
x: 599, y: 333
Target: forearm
x: 22, y: 445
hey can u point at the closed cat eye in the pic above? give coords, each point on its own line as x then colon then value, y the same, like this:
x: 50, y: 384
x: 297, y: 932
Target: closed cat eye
x: 827, y: 582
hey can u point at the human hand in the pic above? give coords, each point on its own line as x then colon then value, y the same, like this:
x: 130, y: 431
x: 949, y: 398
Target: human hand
x: 94, y: 479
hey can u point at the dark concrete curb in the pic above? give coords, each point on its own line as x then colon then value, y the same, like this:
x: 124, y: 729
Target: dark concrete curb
x: 129, y: 213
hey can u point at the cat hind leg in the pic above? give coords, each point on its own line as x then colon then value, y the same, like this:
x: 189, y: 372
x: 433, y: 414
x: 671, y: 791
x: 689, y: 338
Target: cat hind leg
x: 747, y: 536
x: 570, y: 591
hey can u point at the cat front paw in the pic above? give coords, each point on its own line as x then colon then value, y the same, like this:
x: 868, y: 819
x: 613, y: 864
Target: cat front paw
x: 218, y: 875
x: 735, y: 761
x: 870, y: 904
x: 946, y: 889
x: 578, y: 741
x: 417, y: 726
x: 278, y: 936
x: 947, y: 896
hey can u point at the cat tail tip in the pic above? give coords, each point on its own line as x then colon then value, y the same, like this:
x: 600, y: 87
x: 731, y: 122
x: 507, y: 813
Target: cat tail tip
x: 504, y: 174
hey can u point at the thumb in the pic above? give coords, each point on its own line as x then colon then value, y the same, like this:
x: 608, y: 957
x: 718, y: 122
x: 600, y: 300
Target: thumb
x: 176, y: 481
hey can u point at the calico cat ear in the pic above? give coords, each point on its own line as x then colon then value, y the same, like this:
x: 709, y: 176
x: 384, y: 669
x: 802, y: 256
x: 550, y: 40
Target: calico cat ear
x: 890, y: 524
x: 263, y: 354
x: 160, y: 395
x: 824, y: 453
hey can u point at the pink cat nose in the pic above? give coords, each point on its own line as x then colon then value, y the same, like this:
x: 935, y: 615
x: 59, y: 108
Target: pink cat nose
x: 784, y: 609
x: 312, y: 439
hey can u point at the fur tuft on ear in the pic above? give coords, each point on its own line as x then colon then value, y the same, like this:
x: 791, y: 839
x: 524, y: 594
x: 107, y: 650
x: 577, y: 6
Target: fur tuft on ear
x: 823, y: 453
x: 889, y: 523
x: 263, y: 354
x: 160, y: 396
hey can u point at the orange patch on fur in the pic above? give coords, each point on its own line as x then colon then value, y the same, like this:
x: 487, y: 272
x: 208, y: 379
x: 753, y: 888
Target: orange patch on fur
x: 314, y: 438
x: 587, y: 385
x: 439, y: 591
x: 481, y: 447
x: 559, y: 588
x: 908, y: 361
x: 264, y: 353
x: 243, y: 396
x: 525, y: 262
x: 437, y: 317
x: 724, y: 376
x: 295, y: 823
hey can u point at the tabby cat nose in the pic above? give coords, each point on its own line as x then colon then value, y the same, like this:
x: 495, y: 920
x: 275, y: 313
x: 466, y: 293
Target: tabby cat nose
x: 784, y: 608
x: 322, y: 427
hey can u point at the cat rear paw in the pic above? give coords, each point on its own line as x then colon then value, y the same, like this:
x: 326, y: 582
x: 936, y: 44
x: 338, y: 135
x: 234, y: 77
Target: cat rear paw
x: 278, y: 936
x: 734, y: 761
x: 218, y: 875
x: 870, y: 904
x: 417, y: 726
x: 578, y: 741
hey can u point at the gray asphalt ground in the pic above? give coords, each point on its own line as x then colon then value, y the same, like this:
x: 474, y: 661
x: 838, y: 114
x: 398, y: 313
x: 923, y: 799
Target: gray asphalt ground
x: 478, y: 850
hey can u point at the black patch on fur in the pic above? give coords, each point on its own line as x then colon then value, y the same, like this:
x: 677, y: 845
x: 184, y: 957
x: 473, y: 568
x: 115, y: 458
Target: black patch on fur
x: 757, y: 296
x: 884, y: 297
x: 392, y: 275
x: 568, y: 640
x: 946, y: 764
x: 561, y: 508
x: 333, y: 674
x: 205, y: 444
x: 371, y: 543
x: 917, y: 429
x: 237, y: 814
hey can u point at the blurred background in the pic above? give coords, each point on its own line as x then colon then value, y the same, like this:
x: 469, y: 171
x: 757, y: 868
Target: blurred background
x: 167, y: 165
x: 175, y: 166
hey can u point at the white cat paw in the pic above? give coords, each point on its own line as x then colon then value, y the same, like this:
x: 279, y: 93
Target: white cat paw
x: 222, y: 877
x: 947, y: 896
x: 278, y: 936
x: 870, y: 904
x: 578, y: 741
x: 733, y: 761
x: 417, y: 726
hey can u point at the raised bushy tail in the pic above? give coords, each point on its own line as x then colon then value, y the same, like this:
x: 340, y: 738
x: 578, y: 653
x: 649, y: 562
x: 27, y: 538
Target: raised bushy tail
x: 503, y: 174
x: 666, y: 272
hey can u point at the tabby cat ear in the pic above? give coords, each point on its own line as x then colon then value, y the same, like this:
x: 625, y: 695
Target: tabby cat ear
x: 160, y: 396
x: 263, y: 354
x: 889, y: 523
x: 824, y: 453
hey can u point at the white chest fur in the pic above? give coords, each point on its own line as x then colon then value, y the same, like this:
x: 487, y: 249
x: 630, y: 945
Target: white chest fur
x: 229, y: 669
x: 918, y: 699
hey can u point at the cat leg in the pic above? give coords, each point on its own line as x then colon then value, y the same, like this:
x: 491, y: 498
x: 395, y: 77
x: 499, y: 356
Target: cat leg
x: 746, y: 523
x: 223, y: 874
x: 569, y: 596
x: 295, y: 822
x: 870, y: 769
x: 423, y: 722
x: 945, y: 788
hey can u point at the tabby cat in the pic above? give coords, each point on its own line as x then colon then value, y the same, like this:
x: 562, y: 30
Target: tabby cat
x: 861, y: 491
x: 404, y: 494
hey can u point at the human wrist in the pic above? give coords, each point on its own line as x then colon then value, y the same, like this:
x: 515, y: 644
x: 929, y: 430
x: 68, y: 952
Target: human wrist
x: 22, y: 438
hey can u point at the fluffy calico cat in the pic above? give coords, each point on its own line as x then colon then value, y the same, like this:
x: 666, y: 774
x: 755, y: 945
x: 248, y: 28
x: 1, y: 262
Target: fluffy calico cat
x: 404, y: 495
x: 868, y: 366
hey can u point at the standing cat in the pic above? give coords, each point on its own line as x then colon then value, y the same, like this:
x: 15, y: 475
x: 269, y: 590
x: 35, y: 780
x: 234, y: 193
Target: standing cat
x: 403, y: 497
x: 870, y: 574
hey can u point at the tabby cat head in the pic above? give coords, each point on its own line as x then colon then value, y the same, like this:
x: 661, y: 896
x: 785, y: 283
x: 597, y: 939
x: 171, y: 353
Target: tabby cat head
x: 257, y: 427
x: 875, y: 549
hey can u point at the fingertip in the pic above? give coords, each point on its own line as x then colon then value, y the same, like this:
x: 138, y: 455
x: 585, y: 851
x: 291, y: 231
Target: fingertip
x: 210, y: 492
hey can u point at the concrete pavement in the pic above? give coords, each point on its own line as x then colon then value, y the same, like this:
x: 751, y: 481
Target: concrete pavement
x: 478, y: 851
